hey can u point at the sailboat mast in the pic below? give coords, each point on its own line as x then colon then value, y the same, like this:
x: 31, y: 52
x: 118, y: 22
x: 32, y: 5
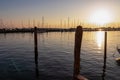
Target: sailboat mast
x: 42, y: 22
x: 68, y: 22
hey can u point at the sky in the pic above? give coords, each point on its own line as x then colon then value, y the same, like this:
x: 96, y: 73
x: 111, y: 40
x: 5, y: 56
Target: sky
x: 17, y: 11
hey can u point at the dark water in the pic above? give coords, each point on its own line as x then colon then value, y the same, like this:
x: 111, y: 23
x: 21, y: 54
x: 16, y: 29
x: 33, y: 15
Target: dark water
x: 56, y: 56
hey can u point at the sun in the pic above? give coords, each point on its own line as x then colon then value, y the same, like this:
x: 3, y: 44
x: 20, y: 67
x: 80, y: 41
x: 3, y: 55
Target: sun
x: 101, y: 17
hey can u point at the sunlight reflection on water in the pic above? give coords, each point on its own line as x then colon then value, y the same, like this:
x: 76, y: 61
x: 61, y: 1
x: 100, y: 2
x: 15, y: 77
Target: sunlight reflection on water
x: 99, y: 38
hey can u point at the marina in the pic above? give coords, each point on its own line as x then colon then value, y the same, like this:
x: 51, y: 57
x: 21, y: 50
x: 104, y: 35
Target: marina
x: 59, y: 40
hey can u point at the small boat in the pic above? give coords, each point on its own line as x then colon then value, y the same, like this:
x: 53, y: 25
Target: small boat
x: 118, y: 49
x: 118, y: 59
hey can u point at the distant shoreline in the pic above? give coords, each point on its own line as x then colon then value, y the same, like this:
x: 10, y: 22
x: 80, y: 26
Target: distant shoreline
x: 43, y: 30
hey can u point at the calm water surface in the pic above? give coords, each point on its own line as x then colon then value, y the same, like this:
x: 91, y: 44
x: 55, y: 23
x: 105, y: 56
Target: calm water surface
x: 56, y: 56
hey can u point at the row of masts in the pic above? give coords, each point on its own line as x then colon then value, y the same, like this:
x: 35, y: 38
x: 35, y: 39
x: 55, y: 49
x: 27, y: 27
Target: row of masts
x: 61, y: 24
x: 43, y: 24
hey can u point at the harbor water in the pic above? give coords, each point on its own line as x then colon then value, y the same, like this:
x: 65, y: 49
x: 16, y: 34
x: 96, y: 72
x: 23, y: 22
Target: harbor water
x: 55, y: 56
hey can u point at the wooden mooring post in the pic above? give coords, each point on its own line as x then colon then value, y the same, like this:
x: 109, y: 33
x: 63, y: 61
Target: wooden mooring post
x: 36, y: 51
x: 105, y: 56
x: 77, y: 50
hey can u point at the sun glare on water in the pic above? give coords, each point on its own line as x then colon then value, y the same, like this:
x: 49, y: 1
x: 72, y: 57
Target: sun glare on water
x: 99, y: 38
x: 101, y: 17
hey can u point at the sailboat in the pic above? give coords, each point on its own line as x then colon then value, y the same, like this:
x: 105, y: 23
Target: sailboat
x: 118, y: 49
x: 118, y: 59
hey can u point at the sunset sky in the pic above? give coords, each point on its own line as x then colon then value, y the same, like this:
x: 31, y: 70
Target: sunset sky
x: 88, y: 11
